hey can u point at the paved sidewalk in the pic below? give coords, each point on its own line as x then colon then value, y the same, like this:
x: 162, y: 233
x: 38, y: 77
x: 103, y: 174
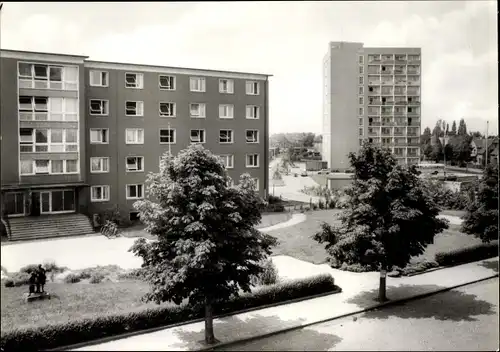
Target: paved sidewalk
x: 359, y: 290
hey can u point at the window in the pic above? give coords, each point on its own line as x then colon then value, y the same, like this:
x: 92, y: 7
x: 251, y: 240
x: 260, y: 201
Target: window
x: 253, y: 112
x: 256, y: 184
x: 226, y: 86
x: 41, y: 166
x: 226, y: 136
x: 57, y: 166
x: 134, y: 80
x: 361, y: 121
x: 167, y: 82
x: 360, y: 59
x: 197, y: 136
x: 226, y: 111
x: 167, y: 136
x: 360, y: 100
x: 33, y: 108
x: 26, y: 139
x: 135, y: 191
x: 98, y: 78
x: 134, y: 136
x: 361, y: 70
x: 99, y: 107
x: 99, y: 193
x: 197, y: 84
x: 252, y: 88
x: 361, y: 80
x: 27, y: 167
x: 99, y: 136
x: 135, y: 163
x: 228, y: 161
x: 167, y: 109
x: 71, y: 166
x: 134, y: 108
x: 361, y: 90
x: 41, y: 140
x: 252, y: 160
x: 360, y: 111
x: 62, y: 109
x: 40, y: 76
x: 252, y: 136
x: 197, y: 110
x: 361, y: 131
x: 99, y: 165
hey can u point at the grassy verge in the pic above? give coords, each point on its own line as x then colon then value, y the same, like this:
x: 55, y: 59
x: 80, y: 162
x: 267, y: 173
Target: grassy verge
x: 80, y: 313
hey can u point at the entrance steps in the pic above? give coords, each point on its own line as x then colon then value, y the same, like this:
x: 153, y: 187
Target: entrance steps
x: 49, y: 226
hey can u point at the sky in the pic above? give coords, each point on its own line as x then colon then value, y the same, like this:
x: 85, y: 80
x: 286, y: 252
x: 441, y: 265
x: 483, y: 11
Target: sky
x: 286, y: 39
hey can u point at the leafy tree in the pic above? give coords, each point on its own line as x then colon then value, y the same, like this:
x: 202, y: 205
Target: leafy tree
x: 461, y: 149
x: 390, y: 218
x: 448, y: 151
x: 462, y: 128
x: 437, y: 151
x: 425, y: 138
x: 308, y: 140
x: 427, y: 152
x: 208, y: 248
x: 438, y: 130
x: 481, y: 219
x: 476, y: 134
x: 453, y: 128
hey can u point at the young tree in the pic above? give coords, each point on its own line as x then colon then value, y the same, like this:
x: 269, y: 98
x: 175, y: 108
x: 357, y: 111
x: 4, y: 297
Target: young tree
x: 453, y: 128
x: 391, y: 216
x: 481, y: 219
x: 208, y: 248
x: 461, y: 149
x: 427, y: 152
x: 437, y: 151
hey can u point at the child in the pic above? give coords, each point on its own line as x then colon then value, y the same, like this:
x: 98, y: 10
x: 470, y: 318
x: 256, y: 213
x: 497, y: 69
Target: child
x: 32, y: 282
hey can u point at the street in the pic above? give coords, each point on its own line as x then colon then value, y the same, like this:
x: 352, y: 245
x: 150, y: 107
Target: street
x: 464, y: 319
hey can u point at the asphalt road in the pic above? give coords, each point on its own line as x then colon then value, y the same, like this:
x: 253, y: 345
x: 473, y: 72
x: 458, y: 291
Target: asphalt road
x: 464, y: 319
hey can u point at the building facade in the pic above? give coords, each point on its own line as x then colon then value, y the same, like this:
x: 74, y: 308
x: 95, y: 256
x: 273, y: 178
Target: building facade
x: 81, y: 136
x: 371, y: 94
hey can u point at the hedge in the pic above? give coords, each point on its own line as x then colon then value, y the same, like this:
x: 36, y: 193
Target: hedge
x: 468, y: 254
x: 83, y: 330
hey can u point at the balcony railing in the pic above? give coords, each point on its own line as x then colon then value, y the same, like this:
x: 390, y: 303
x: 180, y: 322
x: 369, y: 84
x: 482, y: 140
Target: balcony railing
x: 374, y: 124
x: 374, y: 134
x: 387, y: 82
x: 45, y: 84
x: 374, y: 93
x: 375, y: 102
x: 387, y: 72
x: 373, y: 72
x: 387, y: 112
x: 33, y: 116
x: 374, y: 82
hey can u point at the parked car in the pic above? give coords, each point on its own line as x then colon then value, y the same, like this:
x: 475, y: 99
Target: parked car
x: 295, y: 174
x: 304, y: 174
x: 323, y: 171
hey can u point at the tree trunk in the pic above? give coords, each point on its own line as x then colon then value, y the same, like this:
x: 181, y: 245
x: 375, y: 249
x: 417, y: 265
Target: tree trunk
x: 209, y: 323
x: 382, y: 297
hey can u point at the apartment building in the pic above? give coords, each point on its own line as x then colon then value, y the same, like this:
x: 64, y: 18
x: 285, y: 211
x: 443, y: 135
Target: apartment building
x: 80, y: 136
x: 371, y: 94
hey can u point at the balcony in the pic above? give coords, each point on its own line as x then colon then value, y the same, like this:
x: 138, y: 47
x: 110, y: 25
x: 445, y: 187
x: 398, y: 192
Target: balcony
x: 387, y: 112
x: 400, y: 123
x: 412, y: 134
x: 413, y: 59
x: 374, y: 134
x: 387, y: 58
x: 387, y: 83
x: 374, y: 102
x: 375, y: 124
x: 387, y: 72
x: 400, y: 59
x: 375, y: 92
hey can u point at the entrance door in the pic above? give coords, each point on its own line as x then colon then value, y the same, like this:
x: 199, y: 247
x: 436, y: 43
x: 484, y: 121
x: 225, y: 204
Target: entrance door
x: 45, y: 202
x: 14, y: 203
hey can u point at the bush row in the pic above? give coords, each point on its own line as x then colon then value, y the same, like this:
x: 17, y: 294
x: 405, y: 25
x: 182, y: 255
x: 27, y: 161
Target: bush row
x: 58, y: 335
x: 468, y: 254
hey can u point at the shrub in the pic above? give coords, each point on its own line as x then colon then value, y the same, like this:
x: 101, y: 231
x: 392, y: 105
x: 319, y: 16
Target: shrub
x: 314, y: 206
x: 72, y: 278
x: 58, y: 335
x: 269, y: 276
x: 110, y: 229
x: 51, y: 266
x: 331, y: 204
x: 355, y: 268
x: 418, y: 267
x: 274, y: 199
x: 28, y: 269
x: 321, y: 205
x: 275, y: 208
x: 17, y: 279
x: 134, y: 274
x: 96, y: 278
x: 468, y: 254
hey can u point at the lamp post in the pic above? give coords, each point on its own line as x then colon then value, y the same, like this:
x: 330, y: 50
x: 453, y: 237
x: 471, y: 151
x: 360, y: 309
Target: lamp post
x: 486, y: 144
x: 444, y: 154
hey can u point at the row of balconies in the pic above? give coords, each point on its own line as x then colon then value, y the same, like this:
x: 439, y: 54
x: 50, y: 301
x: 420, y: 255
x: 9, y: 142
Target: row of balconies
x: 394, y: 83
x: 394, y: 123
x: 392, y: 102
x: 393, y: 58
x: 377, y: 70
x: 390, y: 92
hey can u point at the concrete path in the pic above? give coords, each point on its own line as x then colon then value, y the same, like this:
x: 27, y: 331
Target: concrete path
x: 359, y: 291
x: 85, y: 252
x: 454, y: 220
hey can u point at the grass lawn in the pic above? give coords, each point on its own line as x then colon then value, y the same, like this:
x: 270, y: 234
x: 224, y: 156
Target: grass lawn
x: 297, y: 242
x: 70, y: 302
x: 319, y: 179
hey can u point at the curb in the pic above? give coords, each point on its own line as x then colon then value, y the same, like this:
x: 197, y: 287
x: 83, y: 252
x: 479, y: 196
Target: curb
x: 106, y: 339
x: 374, y: 307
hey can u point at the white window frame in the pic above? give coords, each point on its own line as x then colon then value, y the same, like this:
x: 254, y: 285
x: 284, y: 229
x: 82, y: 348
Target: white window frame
x: 139, y: 79
x: 32, y: 113
x: 102, y: 161
x: 136, y: 190
x: 202, y: 112
x: 252, y: 110
x: 250, y: 87
x: 136, y: 131
x: 101, y: 75
x: 172, y: 112
x: 77, y: 167
x: 361, y: 59
x: 250, y: 166
x: 104, y: 107
x: 361, y: 111
x: 174, y: 81
x: 100, y: 130
x: 44, y: 82
x: 35, y: 168
x: 204, y: 135
x: 49, y: 144
x: 230, y: 134
x: 229, y: 85
x: 361, y: 100
x: 103, y: 187
x: 229, y: 108
x: 49, y: 167
x: 137, y: 164
x: 29, y: 162
x: 228, y: 160
x: 139, y: 108
x: 256, y: 140
x: 201, y: 84
x: 361, y: 80
x: 174, y: 135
